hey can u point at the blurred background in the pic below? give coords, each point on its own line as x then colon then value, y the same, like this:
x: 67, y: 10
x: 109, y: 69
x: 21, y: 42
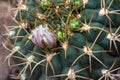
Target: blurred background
x: 5, y: 19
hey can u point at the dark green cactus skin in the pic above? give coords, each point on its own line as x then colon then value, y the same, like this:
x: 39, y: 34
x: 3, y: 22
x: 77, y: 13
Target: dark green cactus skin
x: 71, y: 53
x: 84, y: 61
x: 95, y: 39
x: 76, y: 67
x: 91, y: 37
x: 77, y: 40
x: 56, y: 65
x: 44, y: 78
x: 18, y: 32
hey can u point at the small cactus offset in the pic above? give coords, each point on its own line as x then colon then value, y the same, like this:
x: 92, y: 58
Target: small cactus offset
x: 65, y: 40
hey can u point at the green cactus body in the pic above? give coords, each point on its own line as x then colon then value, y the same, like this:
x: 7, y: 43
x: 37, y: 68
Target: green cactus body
x: 61, y: 35
x: 37, y: 69
x: 97, y: 73
x: 17, y: 35
x: 74, y: 23
x: 23, y: 47
x: 55, y: 62
x: 71, y: 55
x: 74, y: 68
x: 106, y: 42
x: 77, y: 39
x: 66, y: 39
x: 95, y: 31
x: 84, y: 61
x: 44, y: 78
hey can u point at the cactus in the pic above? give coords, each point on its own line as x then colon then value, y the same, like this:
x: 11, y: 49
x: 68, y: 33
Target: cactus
x: 66, y: 40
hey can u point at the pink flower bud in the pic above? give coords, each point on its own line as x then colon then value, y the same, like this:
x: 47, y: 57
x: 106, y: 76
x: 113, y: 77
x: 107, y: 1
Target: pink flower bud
x: 43, y: 37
